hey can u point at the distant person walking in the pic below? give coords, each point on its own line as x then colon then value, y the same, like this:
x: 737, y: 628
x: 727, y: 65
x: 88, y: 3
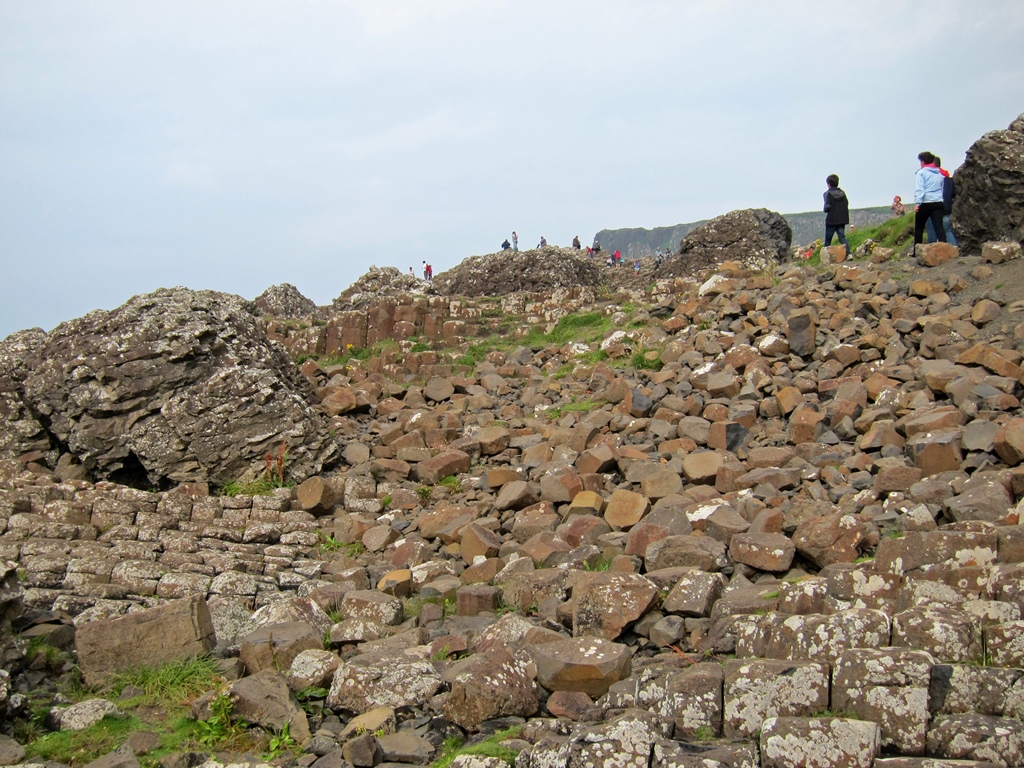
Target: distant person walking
x: 515, y: 241
x: 837, y: 213
x: 897, y: 207
x: 576, y: 242
x: 927, y: 198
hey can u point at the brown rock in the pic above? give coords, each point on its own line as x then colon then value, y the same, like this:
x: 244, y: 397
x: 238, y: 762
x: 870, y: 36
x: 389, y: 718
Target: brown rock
x: 450, y: 462
x: 586, y: 664
x: 607, y: 603
x: 625, y: 509
x: 835, y: 538
x: 179, y: 630
x: 771, y: 552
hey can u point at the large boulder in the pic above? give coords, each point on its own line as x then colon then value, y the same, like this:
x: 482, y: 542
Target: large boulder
x: 377, y: 282
x: 990, y: 188
x: 178, y: 630
x: 498, y: 274
x: 284, y: 301
x: 21, y: 431
x: 756, y: 237
x: 174, y: 386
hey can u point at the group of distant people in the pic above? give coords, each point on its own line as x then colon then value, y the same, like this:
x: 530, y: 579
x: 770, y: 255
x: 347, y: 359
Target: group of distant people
x: 613, y: 260
x: 514, y: 244
x: 934, y: 191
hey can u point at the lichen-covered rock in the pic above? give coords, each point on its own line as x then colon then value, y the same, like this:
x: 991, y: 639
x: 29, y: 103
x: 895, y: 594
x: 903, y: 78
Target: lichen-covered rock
x: 175, y: 386
x: 285, y: 301
x: 491, y: 684
x: 978, y: 737
x: 947, y: 634
x: 889, y: 687
x: 818, y: 742
x: 587, y: 664
x: 756, y: 237
x: 959, y: 689
x: 381, y: 281
x: 690, y: 698
x: 758, y: 689
x: 498, y: 274
x: 360, y: 685
x: 989, y: 188
x: 87, y: 713
x: 626, y: 741
x: 608, y: 602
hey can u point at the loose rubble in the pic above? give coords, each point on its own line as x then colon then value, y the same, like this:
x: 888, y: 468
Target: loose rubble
x: 777, y: 523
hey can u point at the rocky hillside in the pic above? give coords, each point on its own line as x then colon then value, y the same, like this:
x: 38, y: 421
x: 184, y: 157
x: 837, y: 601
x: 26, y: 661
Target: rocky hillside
x: 745, y: 517
x: 637, y: 242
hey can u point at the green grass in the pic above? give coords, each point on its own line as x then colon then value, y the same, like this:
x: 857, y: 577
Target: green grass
x: 586, y: 326
x: 161, y: 709
x: 489, y: 747
x: 53, y: 657
x: 262, y: 486
x: 176, y: 681
x: 894, y: 233
x: 413, y: 605
x: 81, y: 747
x: 451, y: 482
x: 591, y: 358
x: 326, y: 543
x: 563, y: 371
x: 641, y: 362
x: 584, y: 406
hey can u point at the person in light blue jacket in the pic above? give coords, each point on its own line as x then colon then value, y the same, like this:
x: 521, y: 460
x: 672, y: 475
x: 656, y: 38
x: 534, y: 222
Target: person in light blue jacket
x: 928, y: 198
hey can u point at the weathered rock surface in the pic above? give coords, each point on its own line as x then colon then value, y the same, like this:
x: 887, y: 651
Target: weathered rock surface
x: 174, y: 386
x: 755, y: 237
x: 177, y: 630
x: 991, y: 176
x: 497, y: 274
x: 284, y: 301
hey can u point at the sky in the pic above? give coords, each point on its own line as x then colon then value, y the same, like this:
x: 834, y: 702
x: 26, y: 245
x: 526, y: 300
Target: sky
x: 235, y: 145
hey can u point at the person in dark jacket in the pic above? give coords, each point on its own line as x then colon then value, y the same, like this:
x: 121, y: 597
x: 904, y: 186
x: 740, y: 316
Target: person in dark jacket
x: 837, y: 213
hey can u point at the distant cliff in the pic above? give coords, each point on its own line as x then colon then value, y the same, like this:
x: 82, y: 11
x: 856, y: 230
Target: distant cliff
x: 807, y: 227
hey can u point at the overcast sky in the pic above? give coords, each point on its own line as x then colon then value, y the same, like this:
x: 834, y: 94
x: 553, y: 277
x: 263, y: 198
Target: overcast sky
x: 238, y: 144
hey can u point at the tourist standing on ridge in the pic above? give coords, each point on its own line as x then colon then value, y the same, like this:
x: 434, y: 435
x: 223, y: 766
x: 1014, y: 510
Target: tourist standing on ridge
x: 515, y: 241
x: 927, y: 199
x: 576, y: 242
x: 948, y: 193
x: 837, y: 213
x: 897, y: 207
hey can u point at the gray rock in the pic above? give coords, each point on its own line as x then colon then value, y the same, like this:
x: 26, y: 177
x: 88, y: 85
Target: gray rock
x: 755, y: 237
x: 991, y: 176
x: 175, y: 386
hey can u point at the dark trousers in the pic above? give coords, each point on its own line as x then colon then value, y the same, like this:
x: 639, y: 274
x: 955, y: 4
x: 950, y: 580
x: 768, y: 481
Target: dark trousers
x: 838, y: 230
x: 926, y: 211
